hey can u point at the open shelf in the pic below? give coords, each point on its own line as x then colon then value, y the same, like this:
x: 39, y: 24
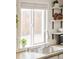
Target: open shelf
x: 52, y: 32
x: 56, y: 20
x: 57, y: 33
x: 57, y: 8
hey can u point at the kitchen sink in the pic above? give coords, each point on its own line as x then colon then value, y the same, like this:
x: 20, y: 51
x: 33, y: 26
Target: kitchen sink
x: 47, y: 50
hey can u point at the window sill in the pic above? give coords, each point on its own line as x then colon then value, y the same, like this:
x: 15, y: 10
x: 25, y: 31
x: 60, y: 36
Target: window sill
x: 31, y: 46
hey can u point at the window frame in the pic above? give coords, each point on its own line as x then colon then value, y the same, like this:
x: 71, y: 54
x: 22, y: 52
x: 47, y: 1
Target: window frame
x: 45, y: 26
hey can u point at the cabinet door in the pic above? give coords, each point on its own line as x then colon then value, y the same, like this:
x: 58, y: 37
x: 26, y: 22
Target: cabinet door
x: 61, y: 56
x: 55, y: 57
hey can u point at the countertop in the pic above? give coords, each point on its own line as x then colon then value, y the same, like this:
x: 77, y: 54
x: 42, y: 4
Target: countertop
x: 57, y: 49
x: 28, y: 55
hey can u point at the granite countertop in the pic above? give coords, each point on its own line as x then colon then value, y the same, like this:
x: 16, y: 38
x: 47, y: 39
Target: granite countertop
x: 55, y: 53
x: 57, y: 49
x: 28, y: 55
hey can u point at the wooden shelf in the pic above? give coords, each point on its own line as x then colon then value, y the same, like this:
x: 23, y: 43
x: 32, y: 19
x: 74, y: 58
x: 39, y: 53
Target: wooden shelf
x: 57, y: 8
x: 56, y: 20
x: 57, y: 33
x: 52, y: 32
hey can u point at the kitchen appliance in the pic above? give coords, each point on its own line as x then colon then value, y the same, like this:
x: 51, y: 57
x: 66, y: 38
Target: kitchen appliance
x: 60, y: 39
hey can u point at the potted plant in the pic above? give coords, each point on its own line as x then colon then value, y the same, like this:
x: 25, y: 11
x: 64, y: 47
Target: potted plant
x: 23, y: 42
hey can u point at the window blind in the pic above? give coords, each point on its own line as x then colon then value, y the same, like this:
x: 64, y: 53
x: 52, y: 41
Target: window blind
x: 34, y: 5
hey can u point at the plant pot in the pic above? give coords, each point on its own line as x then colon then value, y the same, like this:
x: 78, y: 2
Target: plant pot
x: 23, y: 46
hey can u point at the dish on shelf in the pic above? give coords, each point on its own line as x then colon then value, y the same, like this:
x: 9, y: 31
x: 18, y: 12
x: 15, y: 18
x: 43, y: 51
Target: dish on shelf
x: 60, y: 30
x: 58, y: 16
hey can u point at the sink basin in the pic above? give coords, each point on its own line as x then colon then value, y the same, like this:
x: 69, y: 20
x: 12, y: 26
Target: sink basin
x: 47, y: 49
x: 51, y: 49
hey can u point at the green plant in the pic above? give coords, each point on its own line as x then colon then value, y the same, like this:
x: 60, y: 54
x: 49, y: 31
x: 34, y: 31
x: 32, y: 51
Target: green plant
x: 23, y: 42
x: 17, y: 20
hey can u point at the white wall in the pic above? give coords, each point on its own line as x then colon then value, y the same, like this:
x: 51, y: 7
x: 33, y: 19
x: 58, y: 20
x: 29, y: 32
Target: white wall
x: 18, y: 28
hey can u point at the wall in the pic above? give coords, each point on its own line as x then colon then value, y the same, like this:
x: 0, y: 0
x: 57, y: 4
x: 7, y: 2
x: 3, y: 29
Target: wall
x: 50, y: 23
x: 18, y: 28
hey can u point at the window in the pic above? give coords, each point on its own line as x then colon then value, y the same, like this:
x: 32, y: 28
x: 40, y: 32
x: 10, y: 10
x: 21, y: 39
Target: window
x: 26, y: 25
x: 33, y: 25
x: 38, y: 26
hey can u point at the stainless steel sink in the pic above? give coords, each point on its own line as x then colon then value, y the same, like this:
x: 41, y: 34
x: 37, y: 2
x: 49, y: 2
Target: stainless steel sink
x: 47, y: 49
x: 50, y: 49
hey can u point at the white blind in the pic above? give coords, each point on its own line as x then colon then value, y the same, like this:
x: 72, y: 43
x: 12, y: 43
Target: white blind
x: 34, y: 5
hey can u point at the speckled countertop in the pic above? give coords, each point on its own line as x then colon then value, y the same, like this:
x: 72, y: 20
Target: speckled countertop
x: 28, y: 55
x: 58, y: 49
x: 55, y: 53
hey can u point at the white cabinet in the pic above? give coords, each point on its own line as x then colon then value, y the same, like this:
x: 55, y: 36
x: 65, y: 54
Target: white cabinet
x: 61, y: 56
x: 55, y: 57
